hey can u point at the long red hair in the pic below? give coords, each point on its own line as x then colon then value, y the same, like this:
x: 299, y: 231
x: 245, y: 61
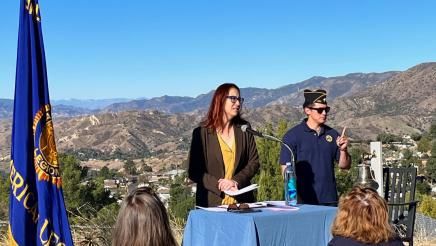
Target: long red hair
x: 214, y: 117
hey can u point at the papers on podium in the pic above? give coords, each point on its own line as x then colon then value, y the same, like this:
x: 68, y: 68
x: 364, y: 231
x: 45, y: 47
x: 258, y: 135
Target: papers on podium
x: 213, y: 209
x: 280, y: 206
x: 223, y: 208
x: 250, y: 205
x: 242, y: 191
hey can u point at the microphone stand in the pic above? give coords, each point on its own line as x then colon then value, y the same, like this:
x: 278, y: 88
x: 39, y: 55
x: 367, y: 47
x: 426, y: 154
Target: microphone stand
x: 269, y: 137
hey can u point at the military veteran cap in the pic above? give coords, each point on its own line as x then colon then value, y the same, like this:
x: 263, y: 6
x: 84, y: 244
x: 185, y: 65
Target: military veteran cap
x: 315, y: 96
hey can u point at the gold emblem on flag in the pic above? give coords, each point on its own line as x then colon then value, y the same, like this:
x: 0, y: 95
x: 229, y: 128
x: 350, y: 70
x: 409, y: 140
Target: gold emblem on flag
x: 45, y: 153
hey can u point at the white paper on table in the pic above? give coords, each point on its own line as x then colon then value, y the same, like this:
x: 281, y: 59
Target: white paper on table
x: 213, y: 209
x: 280, y: 205
x: 250, y: 205
x: 276, y: 203
x: 242, y: 191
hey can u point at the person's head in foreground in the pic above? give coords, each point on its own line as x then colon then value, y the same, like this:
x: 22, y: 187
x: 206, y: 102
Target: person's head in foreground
x: 363, y: 216
x: 142, y: 220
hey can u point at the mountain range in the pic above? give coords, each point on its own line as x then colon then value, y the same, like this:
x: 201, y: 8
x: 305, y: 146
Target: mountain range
x: 254, y: 97
x: 257, y: 97
x: 367, y: 103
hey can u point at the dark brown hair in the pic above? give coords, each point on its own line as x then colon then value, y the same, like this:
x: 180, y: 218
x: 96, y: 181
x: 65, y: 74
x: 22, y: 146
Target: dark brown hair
x: 142, y: 220
x: 363, y: 216
x: 214, y: 117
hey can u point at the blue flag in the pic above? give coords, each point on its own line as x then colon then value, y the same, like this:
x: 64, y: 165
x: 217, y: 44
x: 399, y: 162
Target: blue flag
x: 37, y: 214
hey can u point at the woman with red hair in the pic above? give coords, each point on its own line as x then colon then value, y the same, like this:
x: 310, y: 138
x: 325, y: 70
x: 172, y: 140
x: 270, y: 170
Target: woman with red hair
x: 222, y: 157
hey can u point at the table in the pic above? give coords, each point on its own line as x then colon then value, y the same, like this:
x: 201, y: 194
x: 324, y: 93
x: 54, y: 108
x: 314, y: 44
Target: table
x: 310, y: 225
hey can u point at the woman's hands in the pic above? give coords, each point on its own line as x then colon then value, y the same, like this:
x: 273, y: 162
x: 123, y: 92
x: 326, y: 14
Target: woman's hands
x: 227, y: 184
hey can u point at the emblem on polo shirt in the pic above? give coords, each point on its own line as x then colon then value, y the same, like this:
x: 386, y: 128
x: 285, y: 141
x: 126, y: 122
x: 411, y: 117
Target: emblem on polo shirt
x: 328, y: 138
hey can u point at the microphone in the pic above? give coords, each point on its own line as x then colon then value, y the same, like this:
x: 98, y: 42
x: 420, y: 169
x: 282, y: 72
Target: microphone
x: 247, y: 128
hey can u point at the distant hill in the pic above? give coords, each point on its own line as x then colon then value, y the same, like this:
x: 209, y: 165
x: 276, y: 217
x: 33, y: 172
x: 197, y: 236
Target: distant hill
x: 400, y: 104
x: 254, y: 97
x: 91, y: 104
x: 164, y: 103
x: 6, y: 108
x: 131, y: 131
x: 258, y: 97
x: 340, y: 86
x: 411, y: 92
x: 368, y: 104
x: 65, y: 107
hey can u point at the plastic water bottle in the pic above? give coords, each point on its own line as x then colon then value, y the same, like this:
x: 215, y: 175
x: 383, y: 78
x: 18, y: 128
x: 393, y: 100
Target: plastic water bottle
x: 290, y: 185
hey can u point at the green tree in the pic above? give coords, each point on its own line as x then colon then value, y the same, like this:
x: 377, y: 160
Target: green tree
x: 416, y: 136
x: 424, y: 144
x: 423, y: 188
x: 388, y: 138
x: 431, y: 168
x: 130, y: 167
x: 105, y: 173
x: 100, y: 197
x: 345, y: 179
x: 427, y: 206
x: 181, y: 198
x: 433, y: 148
x: 270, y: 178
x: 72, y: 174
x: 432, y: 131
x: 82, y: 197
x: 5, y: 184
x: 407, y: 154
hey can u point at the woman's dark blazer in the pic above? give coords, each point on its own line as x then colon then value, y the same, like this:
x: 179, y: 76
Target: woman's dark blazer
x: 206, y: 165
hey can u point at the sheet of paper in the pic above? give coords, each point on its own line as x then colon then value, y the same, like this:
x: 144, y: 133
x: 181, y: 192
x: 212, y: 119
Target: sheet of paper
x: 250, y: 205
x: 279, y: 205
x: 242, y: 191
x: 288, y: 208
x: 213, y: 209
x: 276, y: 203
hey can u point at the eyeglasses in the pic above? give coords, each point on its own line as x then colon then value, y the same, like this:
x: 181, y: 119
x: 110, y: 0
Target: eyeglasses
x: 320, y: 110
x: 233, y: 99
x: 234, y: 206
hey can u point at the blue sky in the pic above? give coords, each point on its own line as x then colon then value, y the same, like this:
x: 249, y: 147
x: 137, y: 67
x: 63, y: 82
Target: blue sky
x: 129, y: 49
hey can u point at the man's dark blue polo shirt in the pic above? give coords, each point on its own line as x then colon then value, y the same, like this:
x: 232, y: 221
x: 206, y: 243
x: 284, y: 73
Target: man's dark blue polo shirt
x: 315, y: 156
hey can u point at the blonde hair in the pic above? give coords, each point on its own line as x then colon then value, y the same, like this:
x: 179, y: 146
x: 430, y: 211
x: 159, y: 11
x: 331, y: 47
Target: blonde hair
x: 142, y: 220
x: 363, y: 216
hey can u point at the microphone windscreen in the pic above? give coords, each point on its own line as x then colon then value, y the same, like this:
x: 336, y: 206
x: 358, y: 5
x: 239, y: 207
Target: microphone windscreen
x: 244, y: 128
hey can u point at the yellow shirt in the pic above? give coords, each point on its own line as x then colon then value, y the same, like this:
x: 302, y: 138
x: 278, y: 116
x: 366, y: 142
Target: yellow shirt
x: 229, y: 156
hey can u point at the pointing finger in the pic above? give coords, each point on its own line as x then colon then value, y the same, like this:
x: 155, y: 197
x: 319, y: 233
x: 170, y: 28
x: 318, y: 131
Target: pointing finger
x: 343, y: 131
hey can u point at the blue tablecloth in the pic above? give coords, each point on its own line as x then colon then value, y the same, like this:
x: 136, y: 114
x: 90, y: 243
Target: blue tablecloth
x: 310, y: 225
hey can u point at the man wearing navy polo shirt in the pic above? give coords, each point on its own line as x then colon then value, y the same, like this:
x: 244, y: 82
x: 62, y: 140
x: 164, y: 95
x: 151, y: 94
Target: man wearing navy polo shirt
x: 316, y: 147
